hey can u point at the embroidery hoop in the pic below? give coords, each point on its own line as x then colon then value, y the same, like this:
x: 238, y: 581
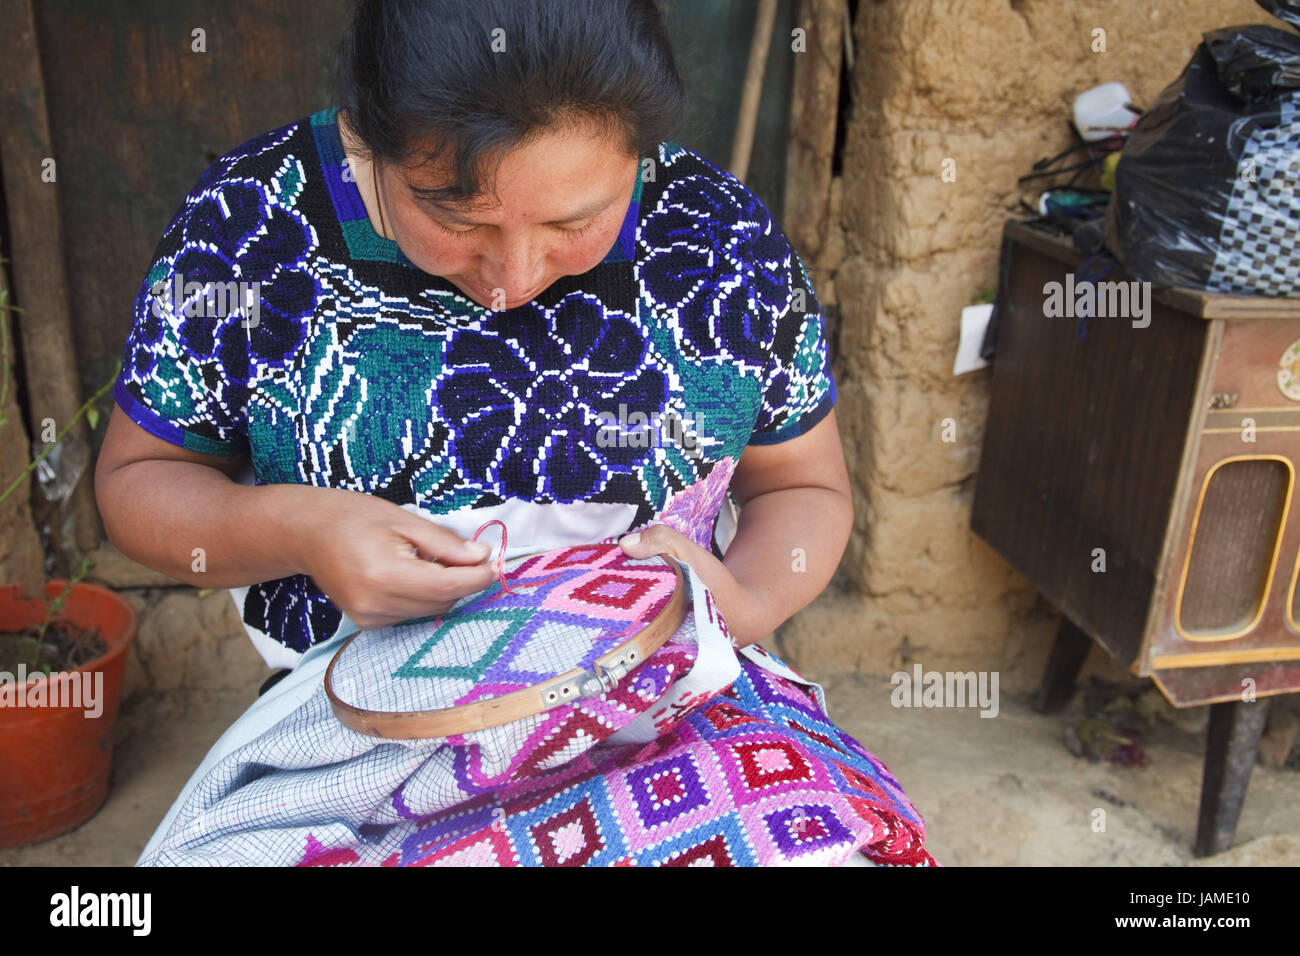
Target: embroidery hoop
x: 645, y: 636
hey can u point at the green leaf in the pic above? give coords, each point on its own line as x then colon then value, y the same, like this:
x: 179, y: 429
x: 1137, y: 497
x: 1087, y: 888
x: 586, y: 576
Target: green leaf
x: 1099, y: 736
x: 1152, y: 705
x: 92, y: 416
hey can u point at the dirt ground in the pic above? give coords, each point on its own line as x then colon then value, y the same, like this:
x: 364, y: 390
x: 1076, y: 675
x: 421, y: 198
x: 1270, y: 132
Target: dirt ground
x: 994, y: 792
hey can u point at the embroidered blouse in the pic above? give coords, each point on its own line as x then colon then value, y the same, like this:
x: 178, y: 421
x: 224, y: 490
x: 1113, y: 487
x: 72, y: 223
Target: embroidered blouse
x: 275, y: 321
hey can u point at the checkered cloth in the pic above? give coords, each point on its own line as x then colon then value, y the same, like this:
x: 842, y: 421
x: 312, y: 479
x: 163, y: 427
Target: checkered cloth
x: 1258, y: 251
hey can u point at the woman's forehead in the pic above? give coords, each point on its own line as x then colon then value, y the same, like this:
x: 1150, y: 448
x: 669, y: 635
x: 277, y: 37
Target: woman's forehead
x: 558, y: 175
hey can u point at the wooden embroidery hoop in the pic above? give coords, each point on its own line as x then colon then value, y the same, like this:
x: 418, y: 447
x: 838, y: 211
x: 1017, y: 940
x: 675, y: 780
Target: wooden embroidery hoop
x: 574, y: 684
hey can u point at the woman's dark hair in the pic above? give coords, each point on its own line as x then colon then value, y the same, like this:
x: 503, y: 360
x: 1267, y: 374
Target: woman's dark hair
x: 476, y: 78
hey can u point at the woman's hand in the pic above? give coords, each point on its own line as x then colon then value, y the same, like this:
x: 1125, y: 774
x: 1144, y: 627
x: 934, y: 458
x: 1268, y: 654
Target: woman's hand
x: 742, y: 610
x: 381, y: 564
x: 796, y: 513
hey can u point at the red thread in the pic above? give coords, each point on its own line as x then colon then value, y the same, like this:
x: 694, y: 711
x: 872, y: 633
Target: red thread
x: 501, y: 560
x: 501, y: 578
x: 501, y: 554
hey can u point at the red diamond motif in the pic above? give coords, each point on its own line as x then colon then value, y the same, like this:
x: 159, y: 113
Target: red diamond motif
x: 724, y: 716
x: 868, y: 811
x: 581, y: 555
x: 667, y: 787
x: 579, y: 720
x: 767, y: 763
x: 570, y: 838
x: 635, y: 589
x: 713, y: 850
x: 806, y: 828
x: 862, y: 782
x: 820, y: 738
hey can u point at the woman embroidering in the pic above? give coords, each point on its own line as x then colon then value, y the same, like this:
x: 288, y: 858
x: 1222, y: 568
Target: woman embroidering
x: 475, y: 281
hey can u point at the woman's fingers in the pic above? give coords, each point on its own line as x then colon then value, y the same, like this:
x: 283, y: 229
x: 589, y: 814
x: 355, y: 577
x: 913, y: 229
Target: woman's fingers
x: 424, y: 580
x: 406, y: 587
x: 436, y: 543
x: 418, y: 589
x: 382, y: 564
x: 661, y: 539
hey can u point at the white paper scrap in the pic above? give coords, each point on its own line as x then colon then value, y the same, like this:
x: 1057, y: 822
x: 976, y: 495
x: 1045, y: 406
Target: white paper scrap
x: 974, y: 321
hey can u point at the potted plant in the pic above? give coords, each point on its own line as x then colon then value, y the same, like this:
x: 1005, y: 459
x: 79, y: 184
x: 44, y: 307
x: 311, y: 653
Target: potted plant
x: 62, y: 660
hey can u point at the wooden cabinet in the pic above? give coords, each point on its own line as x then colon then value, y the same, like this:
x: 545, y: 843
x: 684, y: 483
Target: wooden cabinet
x: 1141, y: 472
x: 1139, y: 467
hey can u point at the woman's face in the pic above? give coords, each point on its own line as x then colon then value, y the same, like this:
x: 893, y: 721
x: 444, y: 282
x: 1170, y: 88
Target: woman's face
x: 556, y: 210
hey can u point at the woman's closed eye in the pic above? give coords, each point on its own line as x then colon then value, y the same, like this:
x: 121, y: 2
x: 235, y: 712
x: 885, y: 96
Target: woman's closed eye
x: 465, y: 231
x: 455, y: 232
x: 575, y: 233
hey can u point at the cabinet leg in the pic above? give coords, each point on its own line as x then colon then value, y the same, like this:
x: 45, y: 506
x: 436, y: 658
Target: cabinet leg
x: 1069, y: 651
x: 1230, y: 747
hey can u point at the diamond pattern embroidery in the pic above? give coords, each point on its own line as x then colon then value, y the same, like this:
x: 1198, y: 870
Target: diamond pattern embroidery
x: 436, y: 656
x: 664, y: 791
x: 712, y: 852
x: 800, y: 830
x: 575, y: 736
x: 862, y: 782
x: 570, y: 838
x: 724, y: 716
x: 814, y: 735
x: 558, y: 610
x: 485, y: 848
x: 612, y: 590
x: 768, y: 763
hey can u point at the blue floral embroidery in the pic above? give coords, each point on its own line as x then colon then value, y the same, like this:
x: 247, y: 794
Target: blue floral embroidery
x: 144, y: 343
x: 238, y: 229
x: 292, y: 611
x: 526, y: 397
x: 724, y: 274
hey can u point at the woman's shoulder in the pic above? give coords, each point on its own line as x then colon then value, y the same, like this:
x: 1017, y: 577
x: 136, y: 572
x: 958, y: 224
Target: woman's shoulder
x: 256, y: 181
x: 676, y: 176
x: 710, y: 252
x: 251, y: 157
x: 716, y: 266
x: 687, y: 202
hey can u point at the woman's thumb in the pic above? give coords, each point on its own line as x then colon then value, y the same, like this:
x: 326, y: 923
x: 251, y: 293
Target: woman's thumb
x: 436, y: 543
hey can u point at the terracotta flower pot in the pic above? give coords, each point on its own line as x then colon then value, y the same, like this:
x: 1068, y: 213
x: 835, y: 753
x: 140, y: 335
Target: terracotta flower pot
x: 54, y: 760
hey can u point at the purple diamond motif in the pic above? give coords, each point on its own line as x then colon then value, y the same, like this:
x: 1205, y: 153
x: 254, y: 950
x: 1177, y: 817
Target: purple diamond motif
x: 800, y: 830
x: 664, y: 791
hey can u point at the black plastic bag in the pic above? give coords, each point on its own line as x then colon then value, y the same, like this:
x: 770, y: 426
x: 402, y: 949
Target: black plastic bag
x: 1207, y: 190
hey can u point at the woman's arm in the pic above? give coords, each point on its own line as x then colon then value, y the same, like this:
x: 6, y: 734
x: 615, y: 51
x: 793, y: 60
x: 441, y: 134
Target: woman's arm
x: 181, y: 513
x: 795, y: 521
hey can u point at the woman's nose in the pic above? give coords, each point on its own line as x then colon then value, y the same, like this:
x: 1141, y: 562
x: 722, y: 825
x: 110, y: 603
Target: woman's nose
x: 518, y: 270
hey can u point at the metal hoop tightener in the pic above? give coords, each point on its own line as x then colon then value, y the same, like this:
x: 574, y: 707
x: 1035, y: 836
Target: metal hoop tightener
x: 590, y: 684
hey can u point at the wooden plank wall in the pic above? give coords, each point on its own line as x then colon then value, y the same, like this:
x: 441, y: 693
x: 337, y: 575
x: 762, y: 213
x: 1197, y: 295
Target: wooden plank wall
x: 136, y: 115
